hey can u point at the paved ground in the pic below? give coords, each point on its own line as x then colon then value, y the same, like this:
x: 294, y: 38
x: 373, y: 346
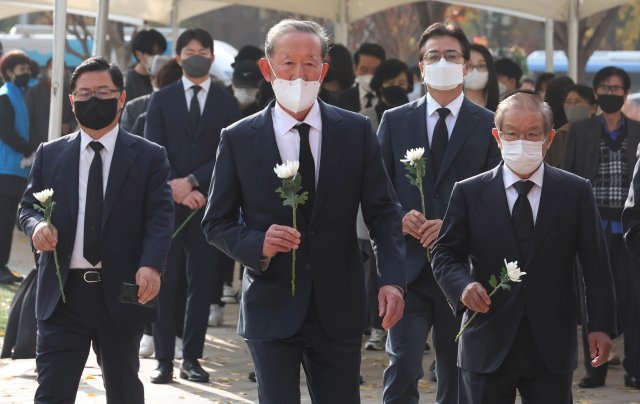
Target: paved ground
x: 229, y: 363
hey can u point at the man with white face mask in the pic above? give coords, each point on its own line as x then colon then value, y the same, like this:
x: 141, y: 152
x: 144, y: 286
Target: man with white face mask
x: 320, y: 325
x: 367, y: 59
x: 456, y: 135
x: 527, y: 211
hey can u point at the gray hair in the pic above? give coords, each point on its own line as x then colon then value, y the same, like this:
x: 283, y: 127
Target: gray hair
x: 290, y: 25
x: 525, y: 102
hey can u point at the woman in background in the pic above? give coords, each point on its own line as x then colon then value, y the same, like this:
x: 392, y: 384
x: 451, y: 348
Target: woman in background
x: 481, y: 81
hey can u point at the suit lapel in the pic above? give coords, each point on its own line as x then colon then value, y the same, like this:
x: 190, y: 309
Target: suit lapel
x: 464, y: 126
x: 183, y: 108
x: 633, y: 139
x: 330, y: 156
x: 209, y: 111
x: 71, y: 166
x: 550, y: 202
x: 264, y: 142
x: 123, y: 157
x: 494, y: 198
x: 419, y: 137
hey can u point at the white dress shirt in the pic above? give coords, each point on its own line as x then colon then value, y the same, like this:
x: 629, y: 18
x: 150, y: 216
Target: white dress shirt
x: 287, y: 136
x: 202, y: 94
x: 433, y: 116
x: 509, y: 178
x: 86, y: 157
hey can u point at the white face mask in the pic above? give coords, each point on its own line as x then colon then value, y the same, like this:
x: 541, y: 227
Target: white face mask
x: 245, y: 95
x: 443, y: 75
x: 502, y: 88
x: 476, y: 80
x: 522, y: 156
x: 364, y: 82
x: 295, y: 95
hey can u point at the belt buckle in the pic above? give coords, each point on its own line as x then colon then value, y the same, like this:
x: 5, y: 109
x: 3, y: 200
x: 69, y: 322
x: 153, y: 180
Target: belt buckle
x: 96, y: 280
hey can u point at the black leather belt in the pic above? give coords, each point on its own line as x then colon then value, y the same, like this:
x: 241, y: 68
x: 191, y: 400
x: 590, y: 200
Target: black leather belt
x: 85, y: 275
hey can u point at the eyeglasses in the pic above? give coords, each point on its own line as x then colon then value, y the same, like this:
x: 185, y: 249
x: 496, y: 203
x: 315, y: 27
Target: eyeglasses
x: 102, y: 94
x: 530, y: 136
x: 603, y: 88
x: 434, y: 57
x: 480, y: 67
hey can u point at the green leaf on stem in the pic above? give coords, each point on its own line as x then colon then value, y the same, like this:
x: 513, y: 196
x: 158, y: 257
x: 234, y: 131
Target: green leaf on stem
x: 493, y: 282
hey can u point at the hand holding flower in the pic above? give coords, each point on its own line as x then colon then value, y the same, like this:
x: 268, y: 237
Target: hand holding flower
x: 280, y: 239
x: 45, y: 237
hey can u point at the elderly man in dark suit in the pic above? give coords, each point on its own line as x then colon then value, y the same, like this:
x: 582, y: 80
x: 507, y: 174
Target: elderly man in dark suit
x: 320, y: 326
x: 542, y: 217
x: 456, y: 135
x: 186, y: 117
x: 112, y: 224
x: 603, y: 150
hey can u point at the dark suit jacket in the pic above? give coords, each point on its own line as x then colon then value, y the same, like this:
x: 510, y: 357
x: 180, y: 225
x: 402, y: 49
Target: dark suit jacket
x: 329, y: 260
x: 349, y: 99
x: 471, y: 150
x: 168, y: 124
x: 582, y: 156
x: 137, y: 219
x: 631, y: 213
x: 477, y: 236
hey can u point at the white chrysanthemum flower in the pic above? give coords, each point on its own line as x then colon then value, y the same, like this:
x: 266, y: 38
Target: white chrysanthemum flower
x: 287, y: 170
x: 513, y: 271
x: 413, y: 155
x: 43, y: 196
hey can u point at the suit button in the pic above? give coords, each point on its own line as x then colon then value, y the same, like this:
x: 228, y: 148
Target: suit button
x: 307, y: 267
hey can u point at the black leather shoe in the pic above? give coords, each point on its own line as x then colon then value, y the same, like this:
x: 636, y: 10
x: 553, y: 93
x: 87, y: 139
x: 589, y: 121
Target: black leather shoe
x: 252, y: 376
x: 163, y: 373
x: 633, y: 382
x: 192, y: 371
x: 7, y: 276
x: 590, y: 382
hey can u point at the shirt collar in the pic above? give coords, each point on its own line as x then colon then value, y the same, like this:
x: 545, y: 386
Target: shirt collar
x: 186, y: 83
x: 454, y: 106
x: 283, y: 122
x: 623, y: 122
x: 108, y: 140
x: 510, y: 178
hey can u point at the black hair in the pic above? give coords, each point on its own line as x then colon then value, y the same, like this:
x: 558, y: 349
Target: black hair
x: 610, y: 71
x: 585, y: 92
x: 370, y: 49
x: 248, y: 52
x: 445, y: 29
x: 542, y: 80
x: 169, y: 73
x: 97, y: 64
x: 340, y: 63
x: 509, y: 68
x: 388, y: 70
x: 12, y: 59
x: 554, y: 96
x: 199, y: 35
x: 491, y: 91
x: 150, y: 42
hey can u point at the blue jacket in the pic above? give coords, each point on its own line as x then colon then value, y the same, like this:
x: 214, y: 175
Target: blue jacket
x: 9, y: 157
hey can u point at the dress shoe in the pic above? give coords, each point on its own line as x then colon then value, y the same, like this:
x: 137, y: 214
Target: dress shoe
x: 633, y: 382
x: 252, y: 376
x: 163, y: 373
x: 590, y: 382
x: 192, y: 371
x: 7, y: 276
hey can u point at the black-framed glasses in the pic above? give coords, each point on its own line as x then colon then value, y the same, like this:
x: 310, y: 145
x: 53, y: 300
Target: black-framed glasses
x: 603, y: 88
x: 102, y: 94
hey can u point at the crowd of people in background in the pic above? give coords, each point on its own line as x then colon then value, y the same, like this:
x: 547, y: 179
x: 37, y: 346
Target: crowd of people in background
x: 593, y: 139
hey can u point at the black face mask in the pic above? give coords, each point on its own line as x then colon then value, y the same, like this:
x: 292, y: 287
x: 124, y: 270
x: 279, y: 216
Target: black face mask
x: 22, y: 81
x: 96, y: 113
x: 610, y: 103
x: 394, y: 95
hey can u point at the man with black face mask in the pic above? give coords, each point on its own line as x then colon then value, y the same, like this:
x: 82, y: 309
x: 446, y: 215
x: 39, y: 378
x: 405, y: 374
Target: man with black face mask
x: 111, y: 225
x: 186, y: 117
x: 603, y: 150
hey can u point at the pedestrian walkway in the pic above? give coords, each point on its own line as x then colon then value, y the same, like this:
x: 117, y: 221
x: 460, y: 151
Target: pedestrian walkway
x: 228, y: 361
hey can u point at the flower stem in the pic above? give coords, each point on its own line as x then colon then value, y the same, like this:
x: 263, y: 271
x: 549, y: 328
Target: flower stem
x: 179, y: 229
x: 55, y: 258
x: 293, y: 259
x: 493, y: 292
x: 424, y: 209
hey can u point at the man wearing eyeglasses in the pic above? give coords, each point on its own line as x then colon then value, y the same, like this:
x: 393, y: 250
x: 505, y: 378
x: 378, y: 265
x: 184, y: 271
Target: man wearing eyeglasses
x: 603, y: 150
x: 111, y: 224
x: 524, y: 339
x: 456, y: 135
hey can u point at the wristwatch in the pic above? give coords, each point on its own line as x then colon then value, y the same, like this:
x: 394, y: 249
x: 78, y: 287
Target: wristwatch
x: 191, y: 179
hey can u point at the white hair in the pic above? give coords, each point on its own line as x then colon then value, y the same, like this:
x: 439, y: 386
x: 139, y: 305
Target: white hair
x: 290, y: 25
x: 525, y: 102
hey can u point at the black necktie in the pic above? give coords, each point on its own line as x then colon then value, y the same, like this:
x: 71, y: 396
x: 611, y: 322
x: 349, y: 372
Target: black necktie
x: 93, y: 208
x: 522, y: 217
x: 369, y: 96
x: 307, y: 168
x: 440, y: 138
x: 194, y: 107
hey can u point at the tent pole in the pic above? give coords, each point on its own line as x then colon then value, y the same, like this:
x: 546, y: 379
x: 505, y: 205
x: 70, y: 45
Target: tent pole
x: 57, y: 67
x: 100, y: 34
x: 175, y: 24
x: 548, y: 45
x: 342, y: 25
x: 572, y: 27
